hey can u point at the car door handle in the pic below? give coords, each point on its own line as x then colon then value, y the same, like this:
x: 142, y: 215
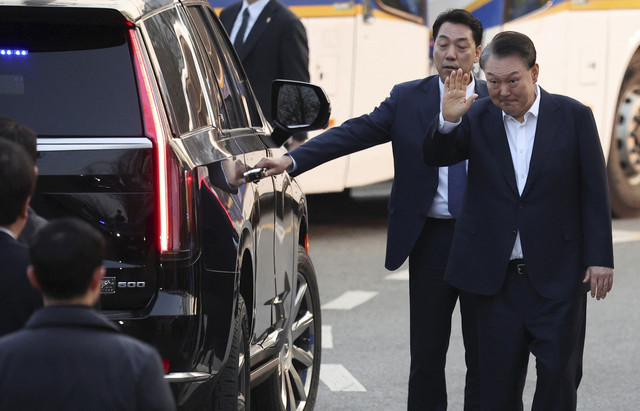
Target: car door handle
x: 254, y: 175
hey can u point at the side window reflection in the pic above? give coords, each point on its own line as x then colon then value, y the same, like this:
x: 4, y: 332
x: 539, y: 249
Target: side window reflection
x: 297, y: 106
x: 227, y: 175
x: 175, y: 55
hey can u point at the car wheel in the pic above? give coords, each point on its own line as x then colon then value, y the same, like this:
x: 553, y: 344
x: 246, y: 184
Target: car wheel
x: 231, y: 393
x: 294, y: 385
x: 623, y: 166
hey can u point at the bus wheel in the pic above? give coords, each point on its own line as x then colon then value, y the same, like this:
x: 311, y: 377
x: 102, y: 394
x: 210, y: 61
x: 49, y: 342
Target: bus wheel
x: 623, y: 167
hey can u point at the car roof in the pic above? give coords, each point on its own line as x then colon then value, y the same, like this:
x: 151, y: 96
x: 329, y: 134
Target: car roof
x: 130, y: 9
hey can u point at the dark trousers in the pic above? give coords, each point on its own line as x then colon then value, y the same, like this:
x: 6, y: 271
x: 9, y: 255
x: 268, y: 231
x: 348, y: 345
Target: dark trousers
x: 432, y: 302
x: 518, y: 321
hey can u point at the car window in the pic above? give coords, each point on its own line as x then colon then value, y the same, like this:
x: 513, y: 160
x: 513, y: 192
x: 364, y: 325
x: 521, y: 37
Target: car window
x: 229, y: 117
x: 233, y: 81
x: 65, y: 79
x: 178, y: 71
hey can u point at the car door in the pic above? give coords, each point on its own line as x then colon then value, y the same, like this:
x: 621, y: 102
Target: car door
x: 241, y: 125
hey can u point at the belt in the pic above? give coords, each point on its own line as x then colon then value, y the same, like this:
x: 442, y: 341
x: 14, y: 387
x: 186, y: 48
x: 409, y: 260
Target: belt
x: 517, y: 266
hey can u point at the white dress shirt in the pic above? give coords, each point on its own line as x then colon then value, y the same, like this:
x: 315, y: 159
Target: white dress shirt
x: 9, y: 232
x: 520, y: 137
x: 254, y: 12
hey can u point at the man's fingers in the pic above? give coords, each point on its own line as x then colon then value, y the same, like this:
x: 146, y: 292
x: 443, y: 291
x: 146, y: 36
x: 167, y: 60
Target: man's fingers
x: 270, y: 172
x: 471, y: 99
x: 601, y: 281
x: 458, y: 77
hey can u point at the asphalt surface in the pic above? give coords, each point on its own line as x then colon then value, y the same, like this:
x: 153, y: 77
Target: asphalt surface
x: 370, y: 340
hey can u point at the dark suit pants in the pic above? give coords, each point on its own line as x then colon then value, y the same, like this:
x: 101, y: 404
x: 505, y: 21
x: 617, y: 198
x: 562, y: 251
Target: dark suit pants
x: 432, y: 302
x: 518, y: 321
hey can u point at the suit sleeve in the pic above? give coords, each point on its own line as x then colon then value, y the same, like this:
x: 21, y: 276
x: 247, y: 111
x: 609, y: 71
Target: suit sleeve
x: 596, y: 211
x: 294, y: 52
x: 353, y: 135
x: 441, y: 149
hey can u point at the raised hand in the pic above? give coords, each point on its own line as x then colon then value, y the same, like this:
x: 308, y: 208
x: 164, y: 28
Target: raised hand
x: 454, y: 99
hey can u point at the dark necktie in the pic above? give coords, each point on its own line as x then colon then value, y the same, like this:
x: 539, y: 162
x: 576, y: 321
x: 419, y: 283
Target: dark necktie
x: 457, y: 183
x: 239, y: 41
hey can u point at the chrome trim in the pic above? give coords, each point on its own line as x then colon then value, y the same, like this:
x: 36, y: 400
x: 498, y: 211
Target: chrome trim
x: 176, y: 377
x: 173, y: 304
x: 271, y: 340
x: 99, y: 143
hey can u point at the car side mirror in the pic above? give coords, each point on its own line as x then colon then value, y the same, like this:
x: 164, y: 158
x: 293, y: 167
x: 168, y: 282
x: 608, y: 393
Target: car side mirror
x: 297, y: 107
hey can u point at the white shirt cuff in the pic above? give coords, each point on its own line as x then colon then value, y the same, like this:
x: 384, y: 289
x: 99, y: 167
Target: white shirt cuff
x: 293, y: 166
x: 446, y: 127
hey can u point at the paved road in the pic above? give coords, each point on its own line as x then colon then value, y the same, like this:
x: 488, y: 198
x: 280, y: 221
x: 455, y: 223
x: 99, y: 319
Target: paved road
x: 365, y: 314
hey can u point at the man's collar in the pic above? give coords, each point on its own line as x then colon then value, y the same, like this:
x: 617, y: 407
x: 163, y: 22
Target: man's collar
x: 533, y: 110
x: 9, y: 232
x: 255, y: 7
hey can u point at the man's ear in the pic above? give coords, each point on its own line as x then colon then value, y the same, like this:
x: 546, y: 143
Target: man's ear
x: 97, y: 277
x: 24, y: 213
x: 535, y: 70
x: 31, y: 275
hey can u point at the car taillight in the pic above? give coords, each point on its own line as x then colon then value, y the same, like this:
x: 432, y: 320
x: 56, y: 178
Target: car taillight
x: 174, y: 191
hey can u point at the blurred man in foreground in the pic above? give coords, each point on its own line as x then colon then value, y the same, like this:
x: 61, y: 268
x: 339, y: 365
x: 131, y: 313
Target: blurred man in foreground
x: 18, y: 300
x: 68, y: 356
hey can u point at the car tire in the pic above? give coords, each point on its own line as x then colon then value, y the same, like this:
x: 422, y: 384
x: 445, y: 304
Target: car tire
x: 232, y: 392
x: 623, y: 166
x: 294, y: 385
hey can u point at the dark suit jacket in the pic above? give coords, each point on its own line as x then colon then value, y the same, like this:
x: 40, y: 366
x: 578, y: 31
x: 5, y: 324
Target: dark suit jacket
x: 18, y: 299
x: 563, y: 214
x: 276, y: 48
x: 72, y: 358
x: 403, y: 118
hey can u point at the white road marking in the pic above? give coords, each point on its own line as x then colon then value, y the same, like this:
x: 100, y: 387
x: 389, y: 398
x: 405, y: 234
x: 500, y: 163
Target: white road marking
x: 349, y: 300
x: 402, y: 275
x: 337, y: 378
x: 327, y: 337
x: 621, y: 236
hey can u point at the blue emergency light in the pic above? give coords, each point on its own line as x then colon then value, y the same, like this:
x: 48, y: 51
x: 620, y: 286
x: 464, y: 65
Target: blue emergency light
x: 13, y: 52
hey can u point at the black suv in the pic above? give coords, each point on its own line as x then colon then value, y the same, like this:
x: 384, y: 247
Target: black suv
x: 147, y: 125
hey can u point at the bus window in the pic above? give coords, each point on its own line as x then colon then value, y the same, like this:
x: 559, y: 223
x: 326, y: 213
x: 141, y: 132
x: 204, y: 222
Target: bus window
x: 409, y: 9
x: 518, y: 8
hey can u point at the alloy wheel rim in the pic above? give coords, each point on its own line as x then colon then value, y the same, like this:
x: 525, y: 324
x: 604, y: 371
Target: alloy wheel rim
x: 297, y: 355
